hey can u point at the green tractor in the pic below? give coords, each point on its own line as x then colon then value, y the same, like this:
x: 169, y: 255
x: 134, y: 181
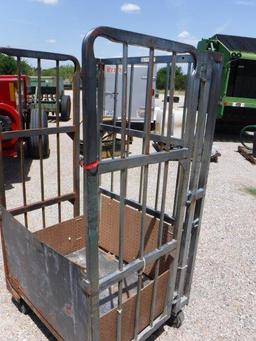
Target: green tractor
x: 237, y: 101
x: 49, y: 96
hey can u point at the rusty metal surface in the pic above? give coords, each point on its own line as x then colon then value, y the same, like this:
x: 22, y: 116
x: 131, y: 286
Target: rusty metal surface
x: 50, y: 281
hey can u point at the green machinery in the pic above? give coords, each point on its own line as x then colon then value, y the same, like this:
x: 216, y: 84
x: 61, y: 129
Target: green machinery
x: 49, y: 97
x: 237, y: 101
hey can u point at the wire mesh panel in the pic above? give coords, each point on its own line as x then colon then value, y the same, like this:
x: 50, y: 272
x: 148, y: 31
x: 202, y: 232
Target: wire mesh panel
x: 146, y: 185
x: 46, y: 122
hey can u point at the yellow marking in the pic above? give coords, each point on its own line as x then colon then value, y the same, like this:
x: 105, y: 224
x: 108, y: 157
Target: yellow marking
x: 12, y: 92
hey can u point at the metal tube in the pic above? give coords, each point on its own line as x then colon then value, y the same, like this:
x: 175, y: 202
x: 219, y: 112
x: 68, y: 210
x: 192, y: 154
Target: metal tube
x: 146, y: 149
x: 162, y: 130
x: 164, y: 188
x: 114, y: 123
x: 40, y: 137
x: 123, y: 188
x: 21, y: 147
x: 58, y: 137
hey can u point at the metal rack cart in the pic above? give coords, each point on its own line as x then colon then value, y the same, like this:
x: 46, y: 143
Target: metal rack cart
x: 125, y: 267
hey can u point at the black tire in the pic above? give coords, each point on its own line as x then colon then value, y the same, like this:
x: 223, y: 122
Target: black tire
x: 65, y: 108
x: 33, y: 143
x: 177, y: 320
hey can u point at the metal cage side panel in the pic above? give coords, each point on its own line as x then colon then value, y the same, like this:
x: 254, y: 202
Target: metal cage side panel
x: 47, y: 281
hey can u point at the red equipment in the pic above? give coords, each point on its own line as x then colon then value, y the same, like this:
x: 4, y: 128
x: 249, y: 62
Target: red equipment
x: 10, y: 117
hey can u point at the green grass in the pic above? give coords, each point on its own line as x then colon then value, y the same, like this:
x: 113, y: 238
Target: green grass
x: 250, y: 190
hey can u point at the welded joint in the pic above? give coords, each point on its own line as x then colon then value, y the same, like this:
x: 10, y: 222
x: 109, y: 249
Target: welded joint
x: 194, y: 195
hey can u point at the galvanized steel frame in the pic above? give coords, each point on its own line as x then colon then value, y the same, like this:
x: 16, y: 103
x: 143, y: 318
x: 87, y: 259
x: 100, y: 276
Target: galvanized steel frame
x: 192, y: 152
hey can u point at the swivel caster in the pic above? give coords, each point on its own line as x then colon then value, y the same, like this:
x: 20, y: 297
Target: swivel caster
x: 176, y: 320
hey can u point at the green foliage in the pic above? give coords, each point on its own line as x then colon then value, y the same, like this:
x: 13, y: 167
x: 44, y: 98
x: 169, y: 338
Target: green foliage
x: 66, y: 72
x: 180, y: 79
x: 8, y: 66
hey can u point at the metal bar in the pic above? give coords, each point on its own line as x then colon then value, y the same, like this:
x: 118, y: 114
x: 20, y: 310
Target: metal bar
x: 134, y: 161
x: 76, y: 139
x: 58, y: 137
x: 176, y: 142
x: 123, y: 188
x: 130, y: 104
x: 164, y: 187
x: 137, y: 39
x: 90, y: 185
x: 114, y: 123
x: 146, y: 149
x: 21, y: 53
x: 194, y: 177
x: 137, y: 265
x: 36, y: 132
x: 185, y: 99
x: 40, y: 137
x: 162, y: 130
x: 209, y: 134
x: 182, y: 185
x: 155, y: 213
x: 21, y: 148
x: 47, y: 202
x: 181, y: 58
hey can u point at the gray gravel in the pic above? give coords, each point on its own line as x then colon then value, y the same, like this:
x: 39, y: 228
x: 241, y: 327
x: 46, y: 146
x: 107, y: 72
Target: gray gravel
x: 223, y: 298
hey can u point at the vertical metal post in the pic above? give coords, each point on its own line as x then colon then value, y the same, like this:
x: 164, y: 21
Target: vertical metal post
x: 123, y: 189
x: 21, y: 147
x: 146, y: 149
x: 114, y: 124
x: 58, y: 137
x: 40, y: 137
x: 166, y: 90
x: 76, y: 138
x: 164, y: 188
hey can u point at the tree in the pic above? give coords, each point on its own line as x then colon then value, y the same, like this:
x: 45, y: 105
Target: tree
x: 65, y: 71
x: 180, y: 79
x: 8, y: 66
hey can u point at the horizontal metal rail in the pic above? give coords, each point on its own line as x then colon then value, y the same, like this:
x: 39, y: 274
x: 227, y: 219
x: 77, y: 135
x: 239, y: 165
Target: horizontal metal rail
x: 113, y: 165
x: 141, y: 134
x: 138, y: 39
x: 155, y: 213
x: 36, y: 132
x: 47, y: 202
x: 38, y: 54
x: 137, y: 265
x: 186, y: 58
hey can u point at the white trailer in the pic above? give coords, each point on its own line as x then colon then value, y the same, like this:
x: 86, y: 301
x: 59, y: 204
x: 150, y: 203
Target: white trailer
x: 113, y: 94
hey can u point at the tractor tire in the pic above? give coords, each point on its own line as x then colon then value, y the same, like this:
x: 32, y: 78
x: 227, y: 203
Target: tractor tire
x: 34, y: 141
x: 65, y: 108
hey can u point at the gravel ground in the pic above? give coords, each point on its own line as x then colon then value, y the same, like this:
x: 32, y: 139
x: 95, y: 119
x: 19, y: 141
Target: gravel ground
x: 223, y: 298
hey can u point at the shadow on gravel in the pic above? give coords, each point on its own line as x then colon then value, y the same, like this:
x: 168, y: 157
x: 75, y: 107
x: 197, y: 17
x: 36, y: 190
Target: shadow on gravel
x: 12, y: 171
x: 227, y: 133
x: 36, y: 320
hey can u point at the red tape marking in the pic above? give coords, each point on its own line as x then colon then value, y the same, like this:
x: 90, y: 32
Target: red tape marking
x: 89, y: 166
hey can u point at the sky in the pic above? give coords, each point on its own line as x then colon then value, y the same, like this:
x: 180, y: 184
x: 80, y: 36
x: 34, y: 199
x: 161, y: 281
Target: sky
x: 60, y: 25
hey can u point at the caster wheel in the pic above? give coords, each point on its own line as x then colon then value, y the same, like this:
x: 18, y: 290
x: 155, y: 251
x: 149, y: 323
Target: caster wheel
x: 23, y: 307
x: 176, y: 320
